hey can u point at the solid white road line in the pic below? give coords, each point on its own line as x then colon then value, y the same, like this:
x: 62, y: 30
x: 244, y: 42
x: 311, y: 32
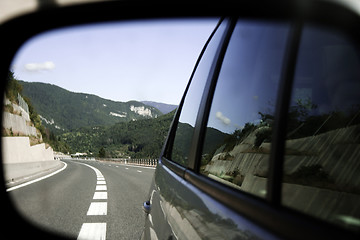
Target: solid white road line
x: 92, y: 231
x: 38, y: 179
x: 98, y: 173
x: 97, y: 208
x: 101, y: 188
x: 100, y: 195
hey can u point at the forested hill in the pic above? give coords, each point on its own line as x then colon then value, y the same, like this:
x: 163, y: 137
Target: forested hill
x: 137, y: 139
x: 99, y: 127
x: 62, y: 110
x: 142, y: 138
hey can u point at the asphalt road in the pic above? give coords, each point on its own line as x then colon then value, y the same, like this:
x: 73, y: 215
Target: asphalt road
x: 105, y: 200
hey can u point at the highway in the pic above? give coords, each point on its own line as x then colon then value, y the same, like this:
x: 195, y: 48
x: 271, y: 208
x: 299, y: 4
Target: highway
x: 88, y: 200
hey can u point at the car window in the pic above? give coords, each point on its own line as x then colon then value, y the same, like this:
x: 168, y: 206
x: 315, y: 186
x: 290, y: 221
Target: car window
x: 238, y: 135
x: 322, y: 167
x: 186, y: 124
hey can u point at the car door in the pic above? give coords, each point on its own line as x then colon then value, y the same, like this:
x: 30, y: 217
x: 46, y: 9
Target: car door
x: 265, y: 142
x: 238, y: 75
x: 168, y: 180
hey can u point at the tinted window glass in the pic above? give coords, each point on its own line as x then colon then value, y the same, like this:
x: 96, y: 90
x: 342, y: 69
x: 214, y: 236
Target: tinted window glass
x: 185, y: 129
x: 238, y: 134
x: 322, y: 167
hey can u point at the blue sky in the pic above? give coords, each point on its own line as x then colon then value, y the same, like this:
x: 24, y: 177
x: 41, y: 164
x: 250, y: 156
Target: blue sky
x: 138, y: 60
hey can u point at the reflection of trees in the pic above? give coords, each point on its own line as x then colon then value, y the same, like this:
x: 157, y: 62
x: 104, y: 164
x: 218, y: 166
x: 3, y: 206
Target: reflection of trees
x: 239, y: 136
x: 182, y: 143
x: 302, y: 123
x: 316, y: 142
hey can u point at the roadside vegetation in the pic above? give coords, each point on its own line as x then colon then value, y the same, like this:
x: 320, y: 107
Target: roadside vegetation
x: 12, y: 90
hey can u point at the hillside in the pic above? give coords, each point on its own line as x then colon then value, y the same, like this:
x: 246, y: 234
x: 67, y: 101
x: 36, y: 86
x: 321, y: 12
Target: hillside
x: 137, y: 139
x: 142, y: 138
x: 99, y: 127
x: 21, y: 119
x: 62, y: 111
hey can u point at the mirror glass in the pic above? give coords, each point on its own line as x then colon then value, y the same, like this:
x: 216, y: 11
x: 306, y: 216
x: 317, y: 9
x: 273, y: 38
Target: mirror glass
x: 85, y: 114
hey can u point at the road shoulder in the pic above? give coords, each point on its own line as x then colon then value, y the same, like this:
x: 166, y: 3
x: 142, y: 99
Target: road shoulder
x: 29, y: 179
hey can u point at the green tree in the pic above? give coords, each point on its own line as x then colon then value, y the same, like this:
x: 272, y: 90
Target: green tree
x: 13, y: 87
x: 102, y: 152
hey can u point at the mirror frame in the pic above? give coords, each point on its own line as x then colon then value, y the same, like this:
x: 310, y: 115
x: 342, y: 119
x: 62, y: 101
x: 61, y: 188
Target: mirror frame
x: 17, y: 31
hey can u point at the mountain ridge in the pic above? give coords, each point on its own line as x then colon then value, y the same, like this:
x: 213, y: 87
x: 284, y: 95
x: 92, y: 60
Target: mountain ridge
x: 62, y: 110
x: 163, y: 107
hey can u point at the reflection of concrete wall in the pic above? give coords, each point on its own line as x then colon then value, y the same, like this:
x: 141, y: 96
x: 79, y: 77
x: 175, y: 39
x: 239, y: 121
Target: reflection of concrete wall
x: 333, y: 206
x: 255, y: 164
x: 337, y: 151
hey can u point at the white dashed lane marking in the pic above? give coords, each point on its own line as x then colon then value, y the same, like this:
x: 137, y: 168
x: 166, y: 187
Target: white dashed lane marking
x: 100, y: 195
x: 97, y: 208
x: 101, y: 188
x: 92, y: 231
x: 96, y: 231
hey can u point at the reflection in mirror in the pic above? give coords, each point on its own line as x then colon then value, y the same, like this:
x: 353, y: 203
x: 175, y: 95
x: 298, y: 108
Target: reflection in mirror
x: 322, y: 170
x: 238, y: 135
x: 80, y: 103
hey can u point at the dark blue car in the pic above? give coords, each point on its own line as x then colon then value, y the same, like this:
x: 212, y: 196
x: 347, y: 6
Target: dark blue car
x: 265, y: 142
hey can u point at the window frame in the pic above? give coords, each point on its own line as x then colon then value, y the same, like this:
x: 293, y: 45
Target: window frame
x: 167, y: 150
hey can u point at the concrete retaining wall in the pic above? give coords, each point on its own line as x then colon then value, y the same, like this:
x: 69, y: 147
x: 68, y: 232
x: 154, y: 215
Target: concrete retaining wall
x: 18, y: 124
x: 21, y: 160
x: 18, y: 150
x: 16, y: 171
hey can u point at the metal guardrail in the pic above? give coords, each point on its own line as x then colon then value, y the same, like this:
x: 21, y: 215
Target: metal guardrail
x: 136, y: 162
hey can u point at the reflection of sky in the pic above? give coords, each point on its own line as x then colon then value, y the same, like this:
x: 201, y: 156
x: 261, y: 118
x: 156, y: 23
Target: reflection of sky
x: 327, y: 71
x: 249, y: 77
x: 193, y: 97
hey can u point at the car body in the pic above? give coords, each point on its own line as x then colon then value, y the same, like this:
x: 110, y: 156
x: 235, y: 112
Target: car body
x: 264, y: 142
